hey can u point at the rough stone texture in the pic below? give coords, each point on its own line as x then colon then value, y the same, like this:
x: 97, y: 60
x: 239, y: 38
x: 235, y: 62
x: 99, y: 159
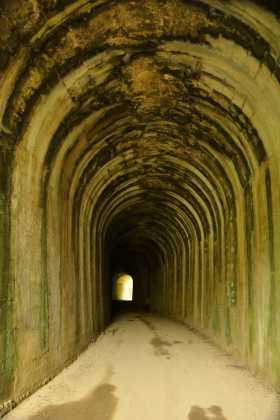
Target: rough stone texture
x: 137, y: 134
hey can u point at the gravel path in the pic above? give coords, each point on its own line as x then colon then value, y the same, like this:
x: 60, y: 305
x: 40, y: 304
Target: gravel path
x: 146, y: 367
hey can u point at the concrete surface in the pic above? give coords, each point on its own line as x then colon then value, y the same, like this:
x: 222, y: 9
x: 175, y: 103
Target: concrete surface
x: 148, y: 367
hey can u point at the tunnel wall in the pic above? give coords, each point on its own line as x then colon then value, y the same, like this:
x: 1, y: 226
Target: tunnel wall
x: 6, y: 289
x: 154, y: 129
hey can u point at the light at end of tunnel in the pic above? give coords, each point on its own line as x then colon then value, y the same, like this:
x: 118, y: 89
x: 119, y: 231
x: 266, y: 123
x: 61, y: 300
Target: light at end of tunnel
x: 123, y: 288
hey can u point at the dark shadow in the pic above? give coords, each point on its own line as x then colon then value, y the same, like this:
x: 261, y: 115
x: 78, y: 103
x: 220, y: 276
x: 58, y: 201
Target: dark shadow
x: 217, y: 411
x: 122, y: 307
x: 101, y: 404
x: 199, y: 413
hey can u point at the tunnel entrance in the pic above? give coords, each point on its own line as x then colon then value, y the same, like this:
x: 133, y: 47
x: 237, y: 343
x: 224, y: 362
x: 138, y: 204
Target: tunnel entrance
x: 123, y: 287
x: 134, y: 264
x: 122, y: 293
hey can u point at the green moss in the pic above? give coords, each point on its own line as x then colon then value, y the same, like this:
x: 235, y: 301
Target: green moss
x: 6, y: 285
x: 228, y: 326
x: 216, y: 324
x: 44, y: 315
x: 251, y: 339
x: 252, y: 333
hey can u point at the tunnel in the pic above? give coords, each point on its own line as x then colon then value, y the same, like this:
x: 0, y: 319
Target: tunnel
x: 139, y: 138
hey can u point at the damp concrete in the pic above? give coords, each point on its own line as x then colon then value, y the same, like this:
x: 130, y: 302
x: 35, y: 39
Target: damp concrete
x: 147, y: 367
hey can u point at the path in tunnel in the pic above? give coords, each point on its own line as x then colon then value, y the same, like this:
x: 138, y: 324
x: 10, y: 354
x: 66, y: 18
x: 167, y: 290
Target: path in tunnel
x: 148, y: 367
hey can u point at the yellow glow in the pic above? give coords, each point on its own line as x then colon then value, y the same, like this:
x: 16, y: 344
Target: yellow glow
x: 123, y: 288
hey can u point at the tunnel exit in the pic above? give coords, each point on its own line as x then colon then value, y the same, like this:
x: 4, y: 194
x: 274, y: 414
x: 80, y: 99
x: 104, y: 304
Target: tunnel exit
x: 123, y: 287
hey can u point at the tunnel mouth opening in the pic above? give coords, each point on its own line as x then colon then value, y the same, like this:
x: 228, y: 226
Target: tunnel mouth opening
x: 122, y: 293
x: 123, y: 287
x: 133, y: 267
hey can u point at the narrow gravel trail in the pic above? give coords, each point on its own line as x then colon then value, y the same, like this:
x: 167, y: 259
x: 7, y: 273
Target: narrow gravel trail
x: 145, y: 367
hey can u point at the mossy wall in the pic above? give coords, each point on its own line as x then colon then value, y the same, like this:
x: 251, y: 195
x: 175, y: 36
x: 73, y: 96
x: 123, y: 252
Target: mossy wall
x: 6, y: 289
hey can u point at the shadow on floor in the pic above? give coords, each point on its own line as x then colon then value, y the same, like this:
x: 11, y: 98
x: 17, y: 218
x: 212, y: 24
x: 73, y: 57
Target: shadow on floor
x: 101, y: 404
x: 123, y: 307
x: 199, y: 413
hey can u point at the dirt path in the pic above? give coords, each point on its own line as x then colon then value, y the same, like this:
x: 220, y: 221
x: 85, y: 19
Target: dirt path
x: 148, y: 368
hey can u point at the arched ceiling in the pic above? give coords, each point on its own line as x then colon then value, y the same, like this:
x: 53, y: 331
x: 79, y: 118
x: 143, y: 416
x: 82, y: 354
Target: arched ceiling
x: 160, y: 93
x: 148, y: 106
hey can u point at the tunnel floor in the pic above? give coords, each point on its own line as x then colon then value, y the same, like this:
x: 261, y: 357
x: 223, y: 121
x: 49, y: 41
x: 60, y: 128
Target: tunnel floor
x: 148, y: 367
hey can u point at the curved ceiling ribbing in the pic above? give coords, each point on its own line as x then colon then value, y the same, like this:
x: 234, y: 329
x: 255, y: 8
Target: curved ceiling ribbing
x: 150, y: 129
